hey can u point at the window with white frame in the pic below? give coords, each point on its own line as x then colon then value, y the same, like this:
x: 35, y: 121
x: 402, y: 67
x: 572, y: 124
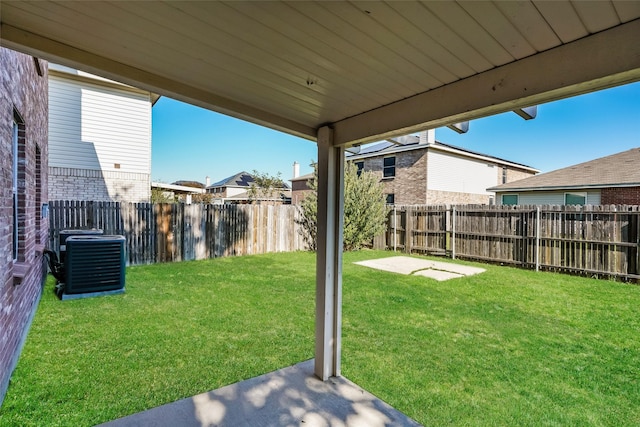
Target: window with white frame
x: 510, y: 199
x: 14, y: 186
x: 575, y: 199
x: 389, y: 167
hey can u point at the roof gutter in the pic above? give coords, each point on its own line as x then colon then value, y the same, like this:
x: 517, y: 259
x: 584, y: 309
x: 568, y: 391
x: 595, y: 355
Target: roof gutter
x: 564, y: 187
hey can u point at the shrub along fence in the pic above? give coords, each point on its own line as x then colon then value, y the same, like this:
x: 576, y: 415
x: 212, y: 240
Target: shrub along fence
x: 595, y: 240
x: 176, y: 232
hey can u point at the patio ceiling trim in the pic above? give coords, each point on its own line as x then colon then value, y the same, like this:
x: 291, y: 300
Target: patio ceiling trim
x: 605, y: 59
x: 42, y: 47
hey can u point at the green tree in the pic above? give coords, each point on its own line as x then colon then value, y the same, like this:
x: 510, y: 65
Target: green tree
x: 205, y: 198
x: 365, y: 209
x: 264, y: 185
x: 158, y: 195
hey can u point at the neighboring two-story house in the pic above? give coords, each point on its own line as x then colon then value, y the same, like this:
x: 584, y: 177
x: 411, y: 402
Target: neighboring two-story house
x: 23, y: 200
x: 99, y: 138
x: 610, y: 180
x: 417, y: 170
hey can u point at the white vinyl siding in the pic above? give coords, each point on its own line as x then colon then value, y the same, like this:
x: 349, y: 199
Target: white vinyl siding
x: 551, y: 198
x: 95, y: 127
x: 234, y: 191
x: 447, y: 172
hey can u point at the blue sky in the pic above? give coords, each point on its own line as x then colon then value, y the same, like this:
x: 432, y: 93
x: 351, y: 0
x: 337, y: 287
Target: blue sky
x: 190, y: 142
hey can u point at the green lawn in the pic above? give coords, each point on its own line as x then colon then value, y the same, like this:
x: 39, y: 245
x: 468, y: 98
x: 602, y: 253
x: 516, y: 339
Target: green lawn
x: 506, y: 347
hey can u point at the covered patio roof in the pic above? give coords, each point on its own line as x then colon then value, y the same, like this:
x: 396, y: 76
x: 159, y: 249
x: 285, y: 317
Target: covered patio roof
x: 369, y: 69
x: 340, y: 73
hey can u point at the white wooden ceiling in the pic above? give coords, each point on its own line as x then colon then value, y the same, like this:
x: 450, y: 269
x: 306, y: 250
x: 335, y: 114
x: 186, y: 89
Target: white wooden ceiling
x: 370, y: 69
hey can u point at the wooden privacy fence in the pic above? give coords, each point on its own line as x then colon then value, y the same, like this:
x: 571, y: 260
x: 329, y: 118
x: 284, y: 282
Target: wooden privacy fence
x: 177, y: 232
x: 598, y: 240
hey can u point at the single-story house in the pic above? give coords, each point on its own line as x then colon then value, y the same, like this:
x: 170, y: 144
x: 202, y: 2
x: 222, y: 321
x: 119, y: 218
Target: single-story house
x: 179, y: 191
x: 610, y: 180
x: 235, y: 189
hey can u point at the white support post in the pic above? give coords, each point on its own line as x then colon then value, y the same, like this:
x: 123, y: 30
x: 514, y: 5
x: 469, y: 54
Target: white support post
x: 329, y: 256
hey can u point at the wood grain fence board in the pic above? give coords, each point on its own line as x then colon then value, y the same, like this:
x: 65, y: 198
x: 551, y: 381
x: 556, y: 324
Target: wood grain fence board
x: 595, y: 239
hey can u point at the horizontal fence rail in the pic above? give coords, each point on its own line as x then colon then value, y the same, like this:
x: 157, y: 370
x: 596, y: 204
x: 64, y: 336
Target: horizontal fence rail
x: 177, y: 232
x: 594, y: 240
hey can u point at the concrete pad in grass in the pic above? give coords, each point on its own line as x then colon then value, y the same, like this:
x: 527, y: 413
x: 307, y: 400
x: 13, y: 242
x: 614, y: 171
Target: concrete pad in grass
x: 437, y: 270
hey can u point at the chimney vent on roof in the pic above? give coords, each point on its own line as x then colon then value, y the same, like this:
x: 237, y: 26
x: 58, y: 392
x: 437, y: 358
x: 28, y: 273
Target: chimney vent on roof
x: 207, y: 181
x: 296, y: 169
x: 428, y: 136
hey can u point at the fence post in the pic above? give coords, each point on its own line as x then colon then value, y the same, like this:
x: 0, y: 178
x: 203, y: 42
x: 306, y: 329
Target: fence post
x: 395, y: 228
x: 537, y: 238
x: 408, y: 231
x: 453, y: 232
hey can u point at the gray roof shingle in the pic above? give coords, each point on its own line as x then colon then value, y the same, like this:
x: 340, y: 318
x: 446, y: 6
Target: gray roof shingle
x: 241, y: 179
x: 617, y: 170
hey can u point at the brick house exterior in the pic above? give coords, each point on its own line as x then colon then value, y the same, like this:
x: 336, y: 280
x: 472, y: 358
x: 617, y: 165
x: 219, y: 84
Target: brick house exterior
x: 23, y: 232
x: 300, y: 188
x: 620, y: 196
x: 610, y: 180
x: 417, y: 170
x: 235, y: 189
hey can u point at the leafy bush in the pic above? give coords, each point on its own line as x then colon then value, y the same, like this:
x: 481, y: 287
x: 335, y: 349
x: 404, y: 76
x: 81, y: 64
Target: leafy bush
x: 365, y: 210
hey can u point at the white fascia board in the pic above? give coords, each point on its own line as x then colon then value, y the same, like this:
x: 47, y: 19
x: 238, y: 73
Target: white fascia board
x: 77, y: 75
x: 184, y: 188
x: 563, y: 187
x: 460, y: 152
x: 487, y: 159
x: 303, y: 177
x: 385, y: 151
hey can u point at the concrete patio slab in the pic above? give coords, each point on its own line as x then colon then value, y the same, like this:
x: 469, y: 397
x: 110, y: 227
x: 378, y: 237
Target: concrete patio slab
x: 291, y: 396
x: 438, y: 275
x: 395, y: 264
x: 437, y: 270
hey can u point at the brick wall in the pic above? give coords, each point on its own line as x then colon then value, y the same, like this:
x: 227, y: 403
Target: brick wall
x: 102, y: 186
x: 620, y: 196
x: 23, y: 95
x: 516, y: 174
x: 513, y: 174
x: 299, y: 190
x: 436, y: 197
x: 409, y: 186
x: 410, y: 183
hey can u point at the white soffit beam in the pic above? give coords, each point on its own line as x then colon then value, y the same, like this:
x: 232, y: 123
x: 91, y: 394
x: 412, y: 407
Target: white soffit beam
x: 51, y: 50
x: 527, y: 113
x: 462, y: 127
x: 599, y: 61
